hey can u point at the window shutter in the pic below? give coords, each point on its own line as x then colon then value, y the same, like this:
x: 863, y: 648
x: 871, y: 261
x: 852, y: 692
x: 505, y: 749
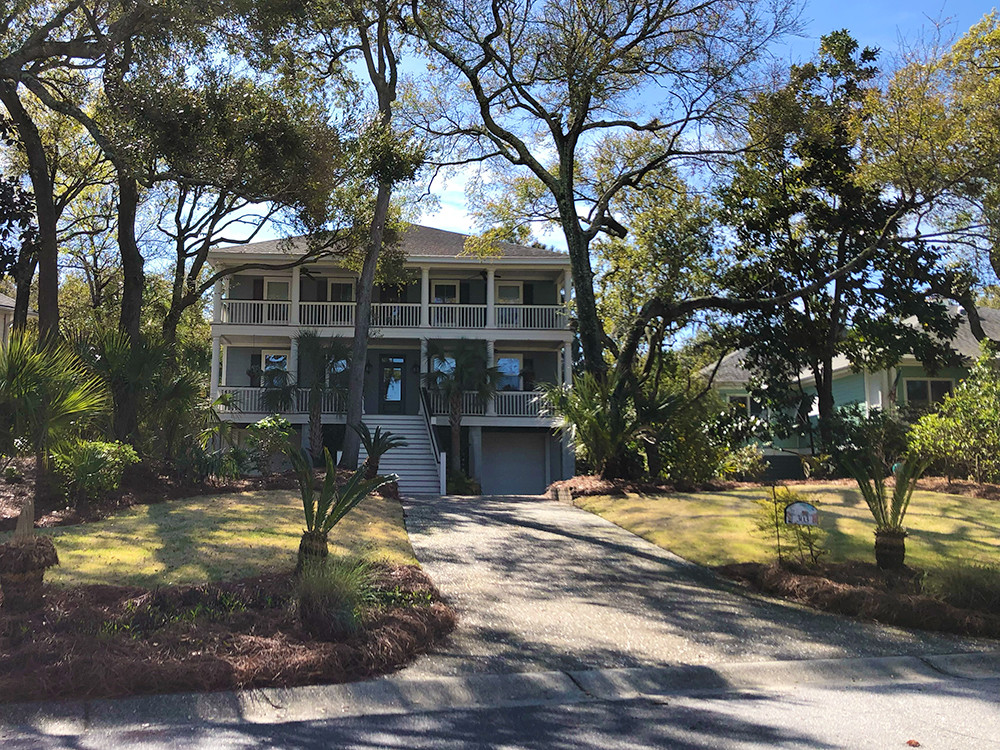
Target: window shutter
x: 258, y: 288
x: 463, y: 293
x: 529, y: 293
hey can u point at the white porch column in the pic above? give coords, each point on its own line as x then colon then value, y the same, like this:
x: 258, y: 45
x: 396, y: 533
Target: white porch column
x: 425, y: 297
x: 296, y: 296
x: 568, y: 364
x: 217, y: 302
x: 491, y: 298
x: 491, y: 361
x: 216, y: 354
x: 293, y: 360
x: 560, y: 353
x: 567, y: 287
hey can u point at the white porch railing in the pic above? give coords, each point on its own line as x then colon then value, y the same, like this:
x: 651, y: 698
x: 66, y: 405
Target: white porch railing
x: 395, y: 314
x: 458, y: 316
x: 327, y: 314
x: 471, y: 406
x: 251, y: 401
x: 518, y: 404
x: 256, y: 312
x: 505, y: 404
x: 531, y: 316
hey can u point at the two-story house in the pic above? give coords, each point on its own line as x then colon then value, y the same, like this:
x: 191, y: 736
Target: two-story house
x: 515, y: 302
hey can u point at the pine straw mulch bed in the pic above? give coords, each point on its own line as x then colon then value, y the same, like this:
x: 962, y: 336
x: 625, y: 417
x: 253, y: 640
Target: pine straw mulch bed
x: 141, y: 485
x: 861, y: 590
x: 112, y: 641
x: 587, y: 486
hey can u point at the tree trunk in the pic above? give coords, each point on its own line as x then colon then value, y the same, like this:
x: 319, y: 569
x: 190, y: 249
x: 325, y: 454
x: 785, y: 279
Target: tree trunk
x: 45, y: 210
x: 316, y: 425
x: 126, y: 409
x: 589, y: 326
x: 455, y: 422
x: 890, y: 549
x: 24, y: 272
x: 826, y: 404
x: 362, y: 320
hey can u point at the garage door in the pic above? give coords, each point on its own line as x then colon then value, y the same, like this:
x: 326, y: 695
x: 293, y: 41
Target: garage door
x: 513, y: 463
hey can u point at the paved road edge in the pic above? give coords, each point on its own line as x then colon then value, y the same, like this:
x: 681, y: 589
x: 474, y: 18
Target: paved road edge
x: 399, y: 694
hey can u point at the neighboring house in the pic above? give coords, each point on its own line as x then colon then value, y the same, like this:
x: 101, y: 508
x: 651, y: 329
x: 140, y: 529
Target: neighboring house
x: 908, y: 384
x: 7, y: 317
x: 515, y: 302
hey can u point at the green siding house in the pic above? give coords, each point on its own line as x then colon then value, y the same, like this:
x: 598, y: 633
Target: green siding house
x: 908, y: 384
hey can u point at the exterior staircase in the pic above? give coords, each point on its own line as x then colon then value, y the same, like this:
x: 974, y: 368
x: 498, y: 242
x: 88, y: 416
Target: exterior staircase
x: 414, y: 463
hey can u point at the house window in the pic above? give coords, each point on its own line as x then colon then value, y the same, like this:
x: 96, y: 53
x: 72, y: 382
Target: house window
x: 274, y: 359
x: 342, y: 291
x: 510, y: 372
x: 509, y: 294
x: 277, y: 290
x: 927, y: 391
x: 743, y: 403
x: 443, y: 364
x: 445, y: 292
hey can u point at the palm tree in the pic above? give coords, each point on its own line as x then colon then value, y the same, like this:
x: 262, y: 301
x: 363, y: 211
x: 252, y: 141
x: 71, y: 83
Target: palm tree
x: 321, y: 361
x: 462, y: 369
x: 46, y: 394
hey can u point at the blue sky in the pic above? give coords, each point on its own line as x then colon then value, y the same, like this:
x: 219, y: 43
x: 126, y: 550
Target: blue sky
x: 876, y: 23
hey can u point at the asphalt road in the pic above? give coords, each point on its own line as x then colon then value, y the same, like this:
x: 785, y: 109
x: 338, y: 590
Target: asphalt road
x: 948, y: 715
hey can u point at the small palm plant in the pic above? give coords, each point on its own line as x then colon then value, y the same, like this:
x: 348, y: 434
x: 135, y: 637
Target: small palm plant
x: 376, y: 446
x: 325, y: 509
x: 888, y: 511
x: 463, y: 369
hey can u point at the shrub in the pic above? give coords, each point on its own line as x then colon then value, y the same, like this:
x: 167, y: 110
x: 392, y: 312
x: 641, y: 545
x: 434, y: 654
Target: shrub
x: 331, y: 594
x: 88, y: 469
x: 747, y: 463
x: 228, y: 463
x: 858, y: 435
x: 805, y: 542
x: 963, y: 438
x: 376, y: 444
x: 966, y: 586
x: 12, y: 475
x: 458, y: 483
x: 267, y: 438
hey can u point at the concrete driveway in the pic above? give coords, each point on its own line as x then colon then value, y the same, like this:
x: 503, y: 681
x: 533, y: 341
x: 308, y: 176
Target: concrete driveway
x: 540, y: 585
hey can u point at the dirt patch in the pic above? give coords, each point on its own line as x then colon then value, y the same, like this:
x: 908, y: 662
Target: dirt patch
x: 141, y: 485
x: 862, y: 590
x: 111, y: 641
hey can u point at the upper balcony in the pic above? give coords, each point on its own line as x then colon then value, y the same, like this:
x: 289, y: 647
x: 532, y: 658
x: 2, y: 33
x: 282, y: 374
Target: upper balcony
x: 394, y: 315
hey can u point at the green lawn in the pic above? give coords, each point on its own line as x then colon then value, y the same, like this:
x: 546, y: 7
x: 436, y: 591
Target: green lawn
x: 715, y: 528
x: 215, y: 538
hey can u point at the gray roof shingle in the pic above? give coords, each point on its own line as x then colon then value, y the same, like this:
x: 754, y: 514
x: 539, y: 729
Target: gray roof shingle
x: 415, y: 240
x: 6, y: 303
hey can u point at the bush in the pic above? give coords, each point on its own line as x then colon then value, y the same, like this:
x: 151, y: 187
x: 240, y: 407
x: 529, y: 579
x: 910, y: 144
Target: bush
x: 963, y: 438
x: 88, y: 469
x: 460, y: 484
x: 228, y: 463
x: 857, y: 435
x: 267, y: 438
x: 331, y: 594
x: 966, y: 586
x: 746, y: 463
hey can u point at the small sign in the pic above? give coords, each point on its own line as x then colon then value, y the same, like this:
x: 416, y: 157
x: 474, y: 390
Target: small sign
x: 801, y: 514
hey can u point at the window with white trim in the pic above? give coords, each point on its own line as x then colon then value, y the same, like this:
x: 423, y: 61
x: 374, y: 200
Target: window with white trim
x: 927, y: 391
x: 444, y: 292
x: 509, y: 293
x: 510, y: 372
x: 743, y: 403
x: 341, y: 290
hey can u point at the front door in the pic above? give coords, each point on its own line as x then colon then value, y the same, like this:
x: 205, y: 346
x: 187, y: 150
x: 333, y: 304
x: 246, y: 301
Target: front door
x: 390, y: 397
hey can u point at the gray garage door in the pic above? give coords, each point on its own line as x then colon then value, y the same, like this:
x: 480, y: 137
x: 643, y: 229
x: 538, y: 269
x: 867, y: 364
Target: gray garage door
x: 513, y: 463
